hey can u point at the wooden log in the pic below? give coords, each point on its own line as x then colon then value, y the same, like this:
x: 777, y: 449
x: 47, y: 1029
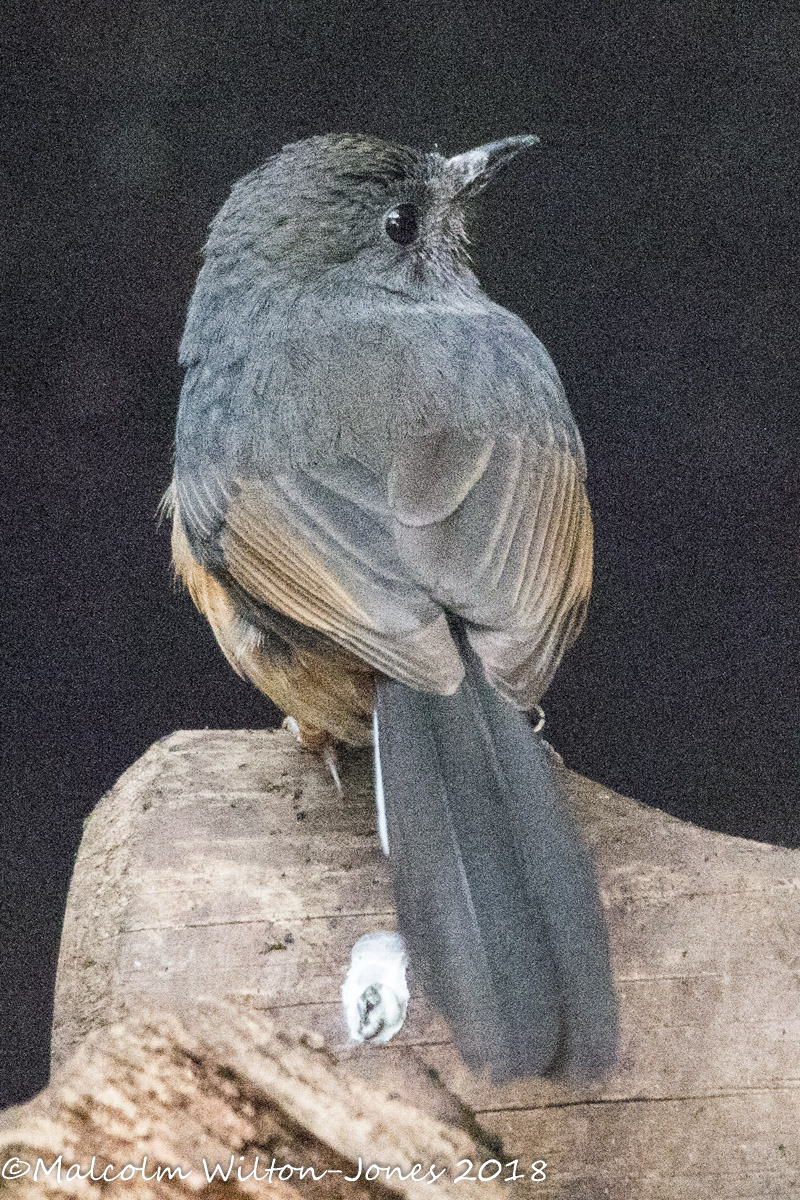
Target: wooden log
x: 222, y: 1105
x: 224, y: 864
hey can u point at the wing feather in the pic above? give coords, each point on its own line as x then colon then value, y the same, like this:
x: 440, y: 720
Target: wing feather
x: 278, y: 540
x: 496, y: 531
x: 514, y: 560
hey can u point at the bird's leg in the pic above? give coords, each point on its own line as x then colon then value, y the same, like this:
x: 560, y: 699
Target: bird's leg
x: 319, y: 742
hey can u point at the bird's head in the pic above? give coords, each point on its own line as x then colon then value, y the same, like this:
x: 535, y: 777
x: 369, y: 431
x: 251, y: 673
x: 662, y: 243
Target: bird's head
x: 355, y: 212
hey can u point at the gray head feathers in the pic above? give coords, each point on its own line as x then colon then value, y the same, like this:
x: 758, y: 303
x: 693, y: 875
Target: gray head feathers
x: 336, y: 312
x: 320, y: 205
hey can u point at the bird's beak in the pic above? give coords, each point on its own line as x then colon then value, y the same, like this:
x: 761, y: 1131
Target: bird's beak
x: 473, y: 169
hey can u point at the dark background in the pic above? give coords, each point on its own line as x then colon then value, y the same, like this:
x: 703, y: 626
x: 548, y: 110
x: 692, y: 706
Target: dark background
x: 650, y: 244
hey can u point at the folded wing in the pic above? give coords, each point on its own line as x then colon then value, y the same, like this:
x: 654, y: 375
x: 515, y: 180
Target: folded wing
x: 374, y: 555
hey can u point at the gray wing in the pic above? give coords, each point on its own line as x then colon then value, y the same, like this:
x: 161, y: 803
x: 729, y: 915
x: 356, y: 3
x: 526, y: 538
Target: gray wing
x: 317, y: 547
x: 496, y: 531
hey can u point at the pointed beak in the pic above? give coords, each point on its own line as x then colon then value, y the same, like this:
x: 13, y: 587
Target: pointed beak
x: 472, y: 170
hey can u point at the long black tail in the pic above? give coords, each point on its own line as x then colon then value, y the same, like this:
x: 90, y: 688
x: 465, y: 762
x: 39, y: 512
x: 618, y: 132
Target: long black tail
x: 495, y: 892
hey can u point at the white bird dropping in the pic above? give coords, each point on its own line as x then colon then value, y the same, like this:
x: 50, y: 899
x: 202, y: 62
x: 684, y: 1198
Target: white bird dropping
x: 375, y: 991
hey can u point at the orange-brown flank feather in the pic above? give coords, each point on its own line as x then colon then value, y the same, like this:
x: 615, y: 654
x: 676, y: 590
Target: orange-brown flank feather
x: 330, y: 692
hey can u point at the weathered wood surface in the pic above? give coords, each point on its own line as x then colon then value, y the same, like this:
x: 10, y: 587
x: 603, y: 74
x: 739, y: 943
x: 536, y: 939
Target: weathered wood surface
x: 209, y: 1107
x: 224, y: 864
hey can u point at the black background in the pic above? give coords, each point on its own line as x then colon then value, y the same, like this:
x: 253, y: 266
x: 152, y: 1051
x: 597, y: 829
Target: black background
x: 650, y: 244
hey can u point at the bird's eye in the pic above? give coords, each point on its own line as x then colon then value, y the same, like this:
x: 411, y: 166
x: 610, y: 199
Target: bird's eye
x: 402, y: 224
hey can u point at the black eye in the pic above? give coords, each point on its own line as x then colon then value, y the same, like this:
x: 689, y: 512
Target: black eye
x: 402, y: 224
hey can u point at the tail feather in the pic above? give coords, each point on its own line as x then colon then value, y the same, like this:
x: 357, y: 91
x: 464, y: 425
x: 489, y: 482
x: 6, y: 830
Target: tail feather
x: 495, y: 892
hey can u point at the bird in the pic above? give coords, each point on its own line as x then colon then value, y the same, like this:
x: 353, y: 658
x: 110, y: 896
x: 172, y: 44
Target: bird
x: 379, y: 503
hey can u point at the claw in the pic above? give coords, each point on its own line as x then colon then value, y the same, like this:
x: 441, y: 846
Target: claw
x: 318, y: 743
x: 291, y: 726
x: 331, y: 760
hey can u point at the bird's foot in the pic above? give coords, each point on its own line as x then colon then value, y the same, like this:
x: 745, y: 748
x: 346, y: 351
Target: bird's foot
x: 319, y: 742
x: 375, y: 992
x: 291, y: 725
